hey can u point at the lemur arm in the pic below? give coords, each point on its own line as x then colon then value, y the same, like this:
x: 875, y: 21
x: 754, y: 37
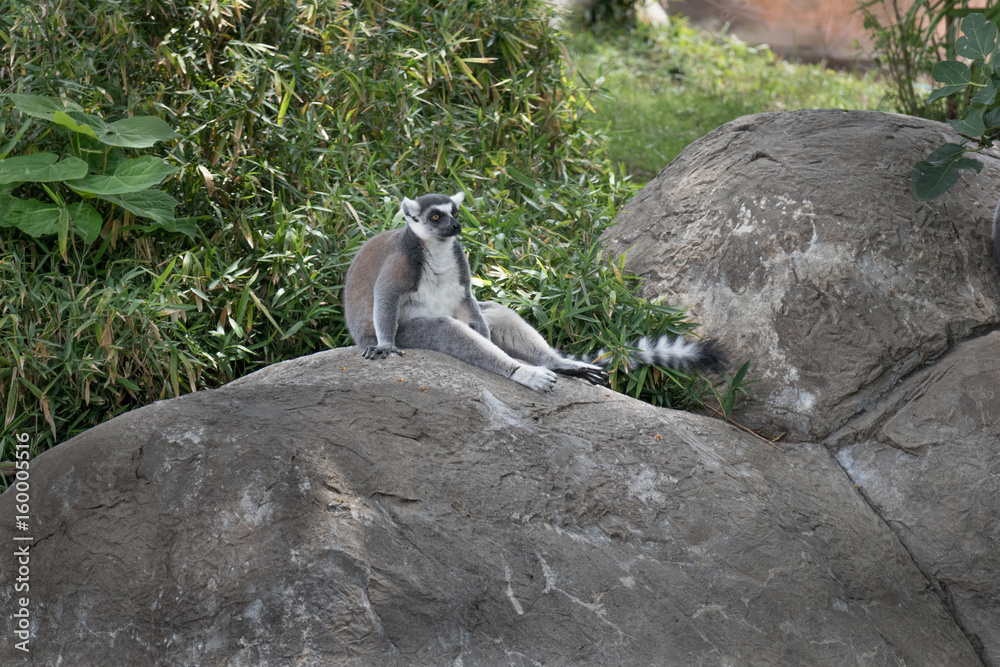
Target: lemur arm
x: 394, y: 280
x: 473, y: 315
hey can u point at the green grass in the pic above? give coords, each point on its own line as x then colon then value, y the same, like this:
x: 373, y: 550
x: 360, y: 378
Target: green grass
x: 665, y: 87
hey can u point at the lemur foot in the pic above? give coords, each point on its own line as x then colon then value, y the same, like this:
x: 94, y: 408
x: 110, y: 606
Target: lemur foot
x: 380, y: 351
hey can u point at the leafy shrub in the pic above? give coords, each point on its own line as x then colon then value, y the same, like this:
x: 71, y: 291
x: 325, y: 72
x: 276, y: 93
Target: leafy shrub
x: 301, y: 127
x: 981, y: 123
x: 94, y: 146
x: 909, y: 39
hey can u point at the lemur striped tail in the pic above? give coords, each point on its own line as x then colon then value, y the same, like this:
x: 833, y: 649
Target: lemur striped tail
x: 665, y: 351
x: 676, y: 352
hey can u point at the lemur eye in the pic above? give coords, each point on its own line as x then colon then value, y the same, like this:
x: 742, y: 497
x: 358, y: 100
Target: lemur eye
x: 435, y: 216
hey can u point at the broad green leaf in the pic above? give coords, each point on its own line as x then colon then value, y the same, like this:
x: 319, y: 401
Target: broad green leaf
x: 62, y: 118
x: 153, y: 204
x: 8, y: 207
x: 186, y: 226
x: 971, y: 125
x: 979, y: 38
x: 5, y: 202
x: 39, y: 106
x: 87, y: 221
x: 987, y: 94
x: 95, y: 122
x: 955, y: 75
x: 129, y: 176
x: 40, y: 168
x: 32, y: 216
x: 137, y: 132
x: 933, y: 176
x: 992, y: 118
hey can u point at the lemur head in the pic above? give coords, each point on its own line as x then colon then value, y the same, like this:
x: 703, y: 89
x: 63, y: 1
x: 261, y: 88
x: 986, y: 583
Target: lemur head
x: 433, y: 216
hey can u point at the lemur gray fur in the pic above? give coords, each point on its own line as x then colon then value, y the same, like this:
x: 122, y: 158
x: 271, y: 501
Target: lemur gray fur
x: 411, y: 288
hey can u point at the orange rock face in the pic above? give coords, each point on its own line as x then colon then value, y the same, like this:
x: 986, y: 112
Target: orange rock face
x: 805, y: 29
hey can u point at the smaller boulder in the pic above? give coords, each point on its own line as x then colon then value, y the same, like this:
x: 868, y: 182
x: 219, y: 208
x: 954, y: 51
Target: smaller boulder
x: 798, y: 243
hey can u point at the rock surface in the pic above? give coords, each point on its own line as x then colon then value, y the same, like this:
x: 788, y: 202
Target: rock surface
x: 929, y: 461
x: 868, y: 314
x: 331, y: 510
x: 798, y: 243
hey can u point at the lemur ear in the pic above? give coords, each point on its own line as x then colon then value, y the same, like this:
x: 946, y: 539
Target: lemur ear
x: 457, y: 199
x: 410, y: 208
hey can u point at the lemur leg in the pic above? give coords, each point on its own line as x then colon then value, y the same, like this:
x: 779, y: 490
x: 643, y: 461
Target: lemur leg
x: 519, y: 339
x: 455, y: 338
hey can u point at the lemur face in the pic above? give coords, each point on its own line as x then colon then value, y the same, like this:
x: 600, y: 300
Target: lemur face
x: 441, y: 221
x: 433, y: 216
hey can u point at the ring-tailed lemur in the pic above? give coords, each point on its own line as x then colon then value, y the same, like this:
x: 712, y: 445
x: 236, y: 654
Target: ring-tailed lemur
x: 410, y: 288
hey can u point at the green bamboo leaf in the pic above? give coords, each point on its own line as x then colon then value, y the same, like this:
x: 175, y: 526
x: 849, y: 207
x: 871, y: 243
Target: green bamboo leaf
x: 933, y: 176
x: 292, y: 330
x: 137, y: 132
x: 971, y: 125
x: 174, y: 379
x: 267, y: 314
x: 31, y: 387
x: 11, y: 403
x: 740, y: 374
x: 979, y: 38
x: 128, y: 384
x: 9, y: 146
x: 286, y: 99
x: 130, y: 175
x: 727, y: 403
x: 158, y: 283
x: 641, y: 380
x: 955, y: 75
x: 40, y: 168
x: 64, y: 232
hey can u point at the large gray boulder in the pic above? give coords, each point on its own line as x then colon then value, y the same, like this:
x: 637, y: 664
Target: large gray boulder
x: 866, y: 313
x: 331, y: 510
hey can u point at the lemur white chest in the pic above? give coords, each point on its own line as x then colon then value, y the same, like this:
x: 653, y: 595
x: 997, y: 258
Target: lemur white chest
x: 439, y: 293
